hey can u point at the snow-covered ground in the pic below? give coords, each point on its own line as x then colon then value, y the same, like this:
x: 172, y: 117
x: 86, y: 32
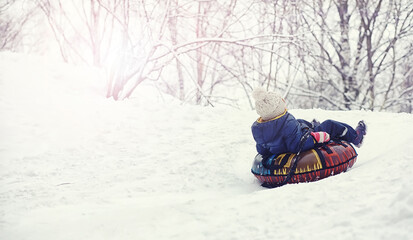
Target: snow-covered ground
x: 74, y: 165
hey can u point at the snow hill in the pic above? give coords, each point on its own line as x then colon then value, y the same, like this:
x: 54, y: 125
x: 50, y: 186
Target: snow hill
x: 74, y: 165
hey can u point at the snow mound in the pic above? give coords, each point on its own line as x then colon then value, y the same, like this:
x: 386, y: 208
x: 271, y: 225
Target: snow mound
x: 75, y: 165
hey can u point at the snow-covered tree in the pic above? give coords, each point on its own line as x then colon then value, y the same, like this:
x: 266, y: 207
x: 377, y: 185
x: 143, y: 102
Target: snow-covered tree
x: 335, y: 54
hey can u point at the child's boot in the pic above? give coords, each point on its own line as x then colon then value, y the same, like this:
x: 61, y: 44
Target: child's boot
x: 361, y: 130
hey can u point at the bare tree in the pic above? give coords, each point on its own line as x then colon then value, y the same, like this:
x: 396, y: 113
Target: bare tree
x: 336, y: 54
x: 362, y: 54
x: 13, y: 18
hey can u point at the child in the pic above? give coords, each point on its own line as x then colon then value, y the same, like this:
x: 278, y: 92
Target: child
x: 277, y: 131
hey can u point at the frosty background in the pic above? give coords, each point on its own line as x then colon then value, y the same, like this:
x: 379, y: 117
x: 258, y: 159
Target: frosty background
x: 325, y: 54
x: 131, y: 119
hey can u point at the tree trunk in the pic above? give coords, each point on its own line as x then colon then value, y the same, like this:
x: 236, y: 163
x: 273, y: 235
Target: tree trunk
x: 173, y: 23
x: 199, y: 61
x: 344, y: 53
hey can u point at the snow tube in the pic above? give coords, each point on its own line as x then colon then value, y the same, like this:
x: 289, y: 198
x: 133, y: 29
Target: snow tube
x: 315, y: 164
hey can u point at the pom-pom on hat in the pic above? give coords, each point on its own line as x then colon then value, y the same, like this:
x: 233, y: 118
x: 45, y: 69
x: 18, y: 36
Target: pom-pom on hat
x: 268, y: 104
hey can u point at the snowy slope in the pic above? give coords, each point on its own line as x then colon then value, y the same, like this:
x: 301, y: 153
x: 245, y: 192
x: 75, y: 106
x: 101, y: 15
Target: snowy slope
x: 74, y: 165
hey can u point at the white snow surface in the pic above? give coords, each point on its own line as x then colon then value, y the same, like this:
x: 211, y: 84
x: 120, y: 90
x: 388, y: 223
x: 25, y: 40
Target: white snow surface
x: 75, y: 165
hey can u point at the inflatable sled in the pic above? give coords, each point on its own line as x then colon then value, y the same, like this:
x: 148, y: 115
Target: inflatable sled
x: 312, y: 165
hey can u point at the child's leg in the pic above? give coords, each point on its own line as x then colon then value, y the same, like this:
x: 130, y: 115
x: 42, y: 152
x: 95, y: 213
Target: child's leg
x: 337, y: 130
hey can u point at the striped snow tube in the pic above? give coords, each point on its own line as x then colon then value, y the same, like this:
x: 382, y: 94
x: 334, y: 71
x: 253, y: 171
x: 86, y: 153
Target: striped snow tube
x: 313, y: 165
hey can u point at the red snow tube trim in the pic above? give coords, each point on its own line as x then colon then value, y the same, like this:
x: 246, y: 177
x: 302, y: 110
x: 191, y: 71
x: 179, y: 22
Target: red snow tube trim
x: 313, y: 165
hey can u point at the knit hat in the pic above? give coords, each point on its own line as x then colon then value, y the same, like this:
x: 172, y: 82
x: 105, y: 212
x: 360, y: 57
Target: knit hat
x: 268, y: 104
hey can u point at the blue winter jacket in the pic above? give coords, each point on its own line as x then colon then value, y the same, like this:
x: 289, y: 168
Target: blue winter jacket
x: 280, y: 135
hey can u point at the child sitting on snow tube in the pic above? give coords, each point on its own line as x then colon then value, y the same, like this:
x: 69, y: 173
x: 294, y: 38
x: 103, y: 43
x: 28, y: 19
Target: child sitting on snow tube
x: 277, y: 131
